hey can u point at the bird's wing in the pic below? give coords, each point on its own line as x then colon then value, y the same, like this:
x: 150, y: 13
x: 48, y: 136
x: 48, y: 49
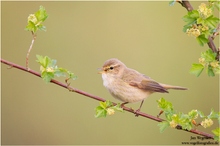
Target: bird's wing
x: 149, y: 85
x: 146, y: 83
x: 143, y: 82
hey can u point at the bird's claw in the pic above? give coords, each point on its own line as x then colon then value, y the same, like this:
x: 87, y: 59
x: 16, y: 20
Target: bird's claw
x: 136, y: 112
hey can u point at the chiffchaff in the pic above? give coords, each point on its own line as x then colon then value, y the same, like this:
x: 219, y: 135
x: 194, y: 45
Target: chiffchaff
x: 128, y: 85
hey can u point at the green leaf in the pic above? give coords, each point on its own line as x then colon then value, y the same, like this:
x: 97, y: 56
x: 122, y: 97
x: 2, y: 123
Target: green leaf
x: 100, y: 112
x: 35, y: 20
x: 41, y: 14
x: 196, y: 69
x: 216, y: 132
x: 209, y: 55
x: 172, y: 2
x: 185, y: 121
x: 212, y: 21
x: 31, y: 27
x: 191, y: 16
x: 163, y: 125
x: 118, y: 108
x: 165, y: 105
x: 210, y: 71
x: 217, y: 70
x: 213, y: 115
x: 42, y: 27
x: 59, y: 73
x: 102, y: 109
x: 200, y: 21
x: 189, y: 20
x: 71, y: 75
x: 201, y: 114
x: 193, y: 114
x: 202, y: 40
x: 47, y: 76
x: 49, y: 69
x: 39, y: 58
x: 186, y: 124
x: 103, y: 105
x: 44, y: 61
x: 217, y: 5
x: 187, y: 26
x: 206, y: 33
x: 108, y: 103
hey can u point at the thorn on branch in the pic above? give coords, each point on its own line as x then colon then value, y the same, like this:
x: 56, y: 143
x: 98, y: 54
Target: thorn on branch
x: 68, y: 85
x: 216, y: 32
x: 10, y: 67
x: 160, y: 113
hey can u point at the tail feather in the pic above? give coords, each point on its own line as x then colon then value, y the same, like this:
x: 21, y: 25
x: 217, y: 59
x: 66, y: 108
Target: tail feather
x: 173, y: 87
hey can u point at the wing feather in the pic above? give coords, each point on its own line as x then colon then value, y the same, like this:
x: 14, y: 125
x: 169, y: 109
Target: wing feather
x: 142, y: 81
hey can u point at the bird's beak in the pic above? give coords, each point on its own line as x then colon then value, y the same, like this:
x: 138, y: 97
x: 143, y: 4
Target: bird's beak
x: 100, y: 71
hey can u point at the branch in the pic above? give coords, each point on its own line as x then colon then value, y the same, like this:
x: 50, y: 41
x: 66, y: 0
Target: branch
x: 29, y: 50
x: 216, y: 32
x: 101, y: 99
x: 186, y: 4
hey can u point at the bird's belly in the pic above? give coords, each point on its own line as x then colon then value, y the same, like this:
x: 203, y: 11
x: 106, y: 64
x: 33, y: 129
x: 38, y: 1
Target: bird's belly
x: 123, y: 91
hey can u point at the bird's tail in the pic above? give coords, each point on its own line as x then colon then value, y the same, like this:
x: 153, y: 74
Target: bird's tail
x: 173, y: 87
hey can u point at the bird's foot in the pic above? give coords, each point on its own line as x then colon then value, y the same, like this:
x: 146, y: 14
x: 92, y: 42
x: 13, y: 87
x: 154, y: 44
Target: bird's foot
x: 137, y: 112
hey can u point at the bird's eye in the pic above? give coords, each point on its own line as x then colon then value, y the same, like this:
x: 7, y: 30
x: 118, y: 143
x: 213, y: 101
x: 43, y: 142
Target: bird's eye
x: 111, y: 68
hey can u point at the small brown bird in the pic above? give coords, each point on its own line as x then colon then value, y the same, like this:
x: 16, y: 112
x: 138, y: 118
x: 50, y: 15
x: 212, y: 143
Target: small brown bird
x: 128, y: 85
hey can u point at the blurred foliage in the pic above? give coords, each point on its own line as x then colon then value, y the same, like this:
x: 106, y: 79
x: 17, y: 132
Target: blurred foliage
x: 107, y: 108
x: 186, y: 121
x: 201, y: 24
x: 207, y: 60
x: 49, y: 69
x: 35, y: 20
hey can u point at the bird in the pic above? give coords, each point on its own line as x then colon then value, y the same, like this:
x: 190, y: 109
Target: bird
x: 128, y: 85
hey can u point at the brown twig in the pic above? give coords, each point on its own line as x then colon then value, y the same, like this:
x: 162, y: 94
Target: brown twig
x: 216, y: 32
x: 188, y: 6
x: 101, y: 99
x: 29, y: 50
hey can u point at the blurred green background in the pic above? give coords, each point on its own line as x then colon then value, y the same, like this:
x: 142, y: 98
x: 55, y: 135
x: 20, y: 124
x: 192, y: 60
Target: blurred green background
x: 146, y: 36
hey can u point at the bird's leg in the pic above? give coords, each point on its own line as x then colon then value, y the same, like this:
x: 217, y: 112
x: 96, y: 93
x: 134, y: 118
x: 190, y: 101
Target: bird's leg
x: 136, y: 112
x: 160, y: 113
x: 122, y: 105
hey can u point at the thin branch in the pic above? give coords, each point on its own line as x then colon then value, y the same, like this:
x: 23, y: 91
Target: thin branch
x: 13, y: 65
x: 29, y: 50
x: 216, y: 32
x: 188, y: 6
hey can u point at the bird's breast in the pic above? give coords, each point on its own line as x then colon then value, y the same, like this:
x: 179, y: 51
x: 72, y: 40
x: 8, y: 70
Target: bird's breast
x: 122, y: 90
x: 107, y: 80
